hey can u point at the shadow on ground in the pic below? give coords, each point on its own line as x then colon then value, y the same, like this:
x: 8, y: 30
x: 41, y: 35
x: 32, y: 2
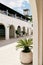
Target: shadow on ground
x: 6, y: 42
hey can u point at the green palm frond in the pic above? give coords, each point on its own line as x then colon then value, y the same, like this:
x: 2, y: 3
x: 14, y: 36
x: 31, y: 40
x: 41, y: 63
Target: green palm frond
x: 24, y: 43
x: 30, y: 42
x: 19, y: 46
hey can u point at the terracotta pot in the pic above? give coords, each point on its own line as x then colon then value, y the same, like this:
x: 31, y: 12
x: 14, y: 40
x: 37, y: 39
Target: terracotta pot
x: 26, y: 57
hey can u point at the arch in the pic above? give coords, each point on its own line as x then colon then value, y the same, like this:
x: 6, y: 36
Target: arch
x: 24, y: 29
x: 2, y: 31
x: 11, y: 31
x: 19, y: 30
x: 31, y: 32
x: 27, y: 31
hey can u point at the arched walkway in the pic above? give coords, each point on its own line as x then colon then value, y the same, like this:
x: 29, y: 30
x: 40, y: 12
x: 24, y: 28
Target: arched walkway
x: 27, y: 31
x: 24, y: 30
x: 11, y: 31
x: 31, y: 32
x: 2, y: 31
x: 19, y: 30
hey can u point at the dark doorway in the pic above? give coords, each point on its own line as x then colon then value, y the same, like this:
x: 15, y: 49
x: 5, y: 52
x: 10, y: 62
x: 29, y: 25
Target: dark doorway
x: 11, y: 31
x: 2, y: 32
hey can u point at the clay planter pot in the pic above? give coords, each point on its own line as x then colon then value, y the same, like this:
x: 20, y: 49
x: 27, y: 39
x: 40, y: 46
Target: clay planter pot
x: 26, y: 57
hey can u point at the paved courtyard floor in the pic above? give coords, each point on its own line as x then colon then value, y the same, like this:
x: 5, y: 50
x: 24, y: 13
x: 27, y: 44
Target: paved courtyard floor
x: 9, y: 55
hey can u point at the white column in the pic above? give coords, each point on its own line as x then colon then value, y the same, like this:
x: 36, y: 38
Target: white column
x: 7, y: 32
x: 35, y: 31
x: 7, y: 12
x: 15, y: 34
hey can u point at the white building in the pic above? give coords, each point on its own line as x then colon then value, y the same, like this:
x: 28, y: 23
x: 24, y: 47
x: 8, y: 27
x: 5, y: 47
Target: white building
x: 11, y: 21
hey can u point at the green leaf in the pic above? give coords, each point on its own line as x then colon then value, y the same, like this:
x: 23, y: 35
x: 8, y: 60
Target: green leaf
x: 24, y: 43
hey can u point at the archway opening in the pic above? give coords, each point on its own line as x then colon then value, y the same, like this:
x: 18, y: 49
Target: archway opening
x: 19, y: 30
x: 24, y: 31
x: 2, y: 32
x: 11, y: 31
x: 27, y: 31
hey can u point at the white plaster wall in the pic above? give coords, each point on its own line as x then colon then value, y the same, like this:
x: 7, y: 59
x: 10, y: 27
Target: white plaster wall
x: 7, y: 21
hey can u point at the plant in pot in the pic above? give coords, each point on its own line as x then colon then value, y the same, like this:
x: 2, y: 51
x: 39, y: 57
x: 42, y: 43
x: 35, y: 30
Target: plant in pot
x: 17, y: 33
x: 26, y: 53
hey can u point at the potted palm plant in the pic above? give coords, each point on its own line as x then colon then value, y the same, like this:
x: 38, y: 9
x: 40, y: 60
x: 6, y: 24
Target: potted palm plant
x: 26, y: 53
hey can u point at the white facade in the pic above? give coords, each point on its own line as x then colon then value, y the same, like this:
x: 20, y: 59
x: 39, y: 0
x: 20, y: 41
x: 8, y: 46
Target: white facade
x: 8, y: 21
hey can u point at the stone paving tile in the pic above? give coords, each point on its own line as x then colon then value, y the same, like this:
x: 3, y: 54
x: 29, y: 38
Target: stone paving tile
x: 10, y: 41
x: 8, y: 53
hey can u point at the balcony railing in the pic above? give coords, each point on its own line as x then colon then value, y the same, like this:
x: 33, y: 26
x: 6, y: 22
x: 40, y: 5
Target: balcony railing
x: 12, y: 15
